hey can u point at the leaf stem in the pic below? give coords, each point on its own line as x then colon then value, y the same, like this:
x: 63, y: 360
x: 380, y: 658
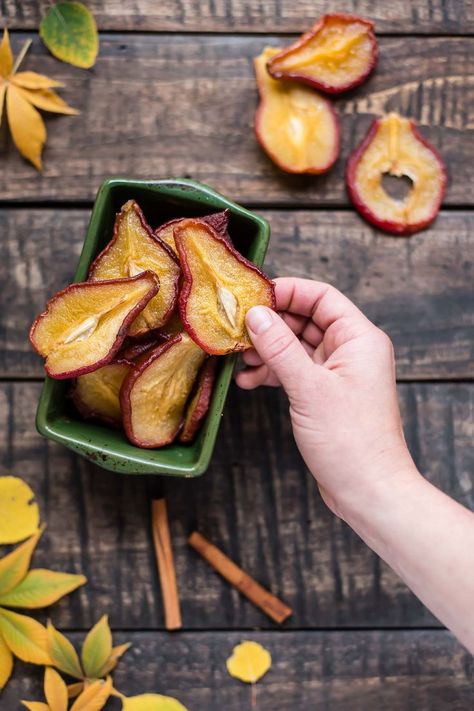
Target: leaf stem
x: 21, y: 56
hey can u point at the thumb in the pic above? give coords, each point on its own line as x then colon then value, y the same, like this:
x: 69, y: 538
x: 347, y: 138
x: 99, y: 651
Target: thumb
x: 278, y: 347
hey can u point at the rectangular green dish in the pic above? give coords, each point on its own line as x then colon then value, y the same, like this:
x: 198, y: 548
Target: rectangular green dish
x: 56, y: 419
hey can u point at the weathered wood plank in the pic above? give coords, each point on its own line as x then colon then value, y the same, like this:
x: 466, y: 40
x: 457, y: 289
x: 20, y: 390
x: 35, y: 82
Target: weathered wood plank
x: 334, y: 671
x: 257, y: 502
x: 418, y: 289
x: 421, y: 16
x: 161, y: 106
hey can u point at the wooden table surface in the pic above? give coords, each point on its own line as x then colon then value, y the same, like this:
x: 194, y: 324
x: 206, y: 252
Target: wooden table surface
x: 173, y: 94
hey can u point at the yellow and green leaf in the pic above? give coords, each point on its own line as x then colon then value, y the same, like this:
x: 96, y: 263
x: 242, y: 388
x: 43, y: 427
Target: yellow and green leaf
x: 55, y: 690
x: 152, y: 702
x: 62, y: 653
x: 6, y: 662
x: 41, y: 588
x: 19, y: 512
x: 69, y: 31
x: 112, y: 661
x: 14, y: 566
x: 97, y: 648
x: 94, y: 697
x: 25, y: 637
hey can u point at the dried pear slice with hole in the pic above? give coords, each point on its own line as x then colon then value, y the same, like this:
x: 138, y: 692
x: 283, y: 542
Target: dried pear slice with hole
x: 394, y: 146
x: 133, y: 249
x: 96, y: 395
x: 296, y: 127
x: 337, y: 54
x: 154, y: 395
x: 84, y: 325
x: 218, y: 220
x: 200, y: 401
x: 219, y: 287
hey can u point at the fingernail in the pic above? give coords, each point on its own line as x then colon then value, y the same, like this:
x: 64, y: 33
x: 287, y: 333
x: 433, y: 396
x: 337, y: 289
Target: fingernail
x: 258, y: 319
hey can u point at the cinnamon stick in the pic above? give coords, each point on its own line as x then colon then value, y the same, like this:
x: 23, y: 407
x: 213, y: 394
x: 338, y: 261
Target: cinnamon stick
x: 242, y: 581
x: 165, y: 563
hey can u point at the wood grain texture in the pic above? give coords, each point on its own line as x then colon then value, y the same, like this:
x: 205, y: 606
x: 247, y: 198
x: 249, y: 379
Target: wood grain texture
x: 421, y: 16
x: 334, y: 671
x: 418, y: 289
x: 257, y: 502
x: 161, y: 106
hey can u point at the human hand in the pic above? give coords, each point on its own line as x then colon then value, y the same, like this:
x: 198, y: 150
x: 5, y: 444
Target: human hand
x: 338, y: 370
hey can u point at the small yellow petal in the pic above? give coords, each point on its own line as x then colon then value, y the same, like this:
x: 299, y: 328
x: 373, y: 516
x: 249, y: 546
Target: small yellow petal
x: 152, y: 702
x: 94, y: 697
x: 62, y: 653
x: 32, y: 80
x: 75, y: 689
x: 114, y: 658
x: 6, y: 663
x: 25, y: 637
x: 26, y: 126
x: 14, y: 566
x: 6, y: 56
x: 36, y: 706
x: 47, y: 100
x: 249, y: 662
x: 55, y: 690
x: 97, y: 648
x: 19, y: 513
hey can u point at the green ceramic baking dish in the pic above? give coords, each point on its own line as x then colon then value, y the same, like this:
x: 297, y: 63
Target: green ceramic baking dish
x: 56, y: 419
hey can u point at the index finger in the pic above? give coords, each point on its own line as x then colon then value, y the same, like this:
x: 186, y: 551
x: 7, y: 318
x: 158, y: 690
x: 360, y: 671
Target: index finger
x: 316, y: 300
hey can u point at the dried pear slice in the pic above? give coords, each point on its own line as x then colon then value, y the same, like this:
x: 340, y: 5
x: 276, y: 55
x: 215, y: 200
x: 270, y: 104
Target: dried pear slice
x: 394, y: 146
x: 337, y: 54
x: 296, y: 127
x: 133, y: 249
x: 84, y: 325
x: 96, y: 394
x: 219, y: 287
x: 218, y: 220
x: 154, y: 394
x: 200, y: 401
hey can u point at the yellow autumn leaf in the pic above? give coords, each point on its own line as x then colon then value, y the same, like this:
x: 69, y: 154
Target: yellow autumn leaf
x: 25, y: 637
x: 14, y: 566
x: 75, y: 689
x: 113, y: 659
x: 97, y: 648
x: 249, y: 662
x: 22, y: 91
x: 41, y: 588
x: 62, y: 653
x: 94, y: 697
x: 152, y: 702
x: 6, y: 56
x: 55, y: 690
x: 36, y: 706
x: 6, y: 663
x: 19, y: 513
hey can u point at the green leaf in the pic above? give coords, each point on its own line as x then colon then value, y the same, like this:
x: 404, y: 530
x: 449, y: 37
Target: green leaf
x: 25, y: 637
x: 152, y: 702
x: 63, y: 655
x: 6, y: 662
x: 14, y: 566
x: 41, y: 588
x: 70, y: 33
x: 97, y: 648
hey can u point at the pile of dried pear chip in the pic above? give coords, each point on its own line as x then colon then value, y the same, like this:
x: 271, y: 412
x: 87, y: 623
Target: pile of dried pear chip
x: 140, y: 338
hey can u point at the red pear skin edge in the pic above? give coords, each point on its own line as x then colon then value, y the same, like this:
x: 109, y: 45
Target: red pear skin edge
x: 154, y: 238
x: 275, y: 158
x: 205, y: 385
x: 311, y: 81
x: 89, y: 414
x: 394, y: 228
x: 126, y: 389
x: 221, y: 218
x: 123, y: 328
x: 188, y: 283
